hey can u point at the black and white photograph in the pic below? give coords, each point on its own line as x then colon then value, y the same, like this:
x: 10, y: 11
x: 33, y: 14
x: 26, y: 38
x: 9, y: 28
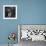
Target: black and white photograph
x: 9, y: 11
x: 31, y: 34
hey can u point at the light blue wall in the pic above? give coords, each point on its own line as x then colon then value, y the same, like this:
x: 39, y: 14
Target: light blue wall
x: 7, y: 26
x: 33, y: 12
x: 28, y: 12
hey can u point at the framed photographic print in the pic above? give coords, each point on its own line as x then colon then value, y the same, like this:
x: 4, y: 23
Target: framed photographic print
x: 9, y: 11
x: 33, y: 32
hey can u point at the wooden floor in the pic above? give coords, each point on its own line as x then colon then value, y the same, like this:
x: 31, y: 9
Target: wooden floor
x: 9, y: 45
x: 30, y: 43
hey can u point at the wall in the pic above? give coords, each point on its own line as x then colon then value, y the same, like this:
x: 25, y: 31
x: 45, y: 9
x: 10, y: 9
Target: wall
x: 34, y: 12
x: 29, y: 12
x: 7, y: 26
